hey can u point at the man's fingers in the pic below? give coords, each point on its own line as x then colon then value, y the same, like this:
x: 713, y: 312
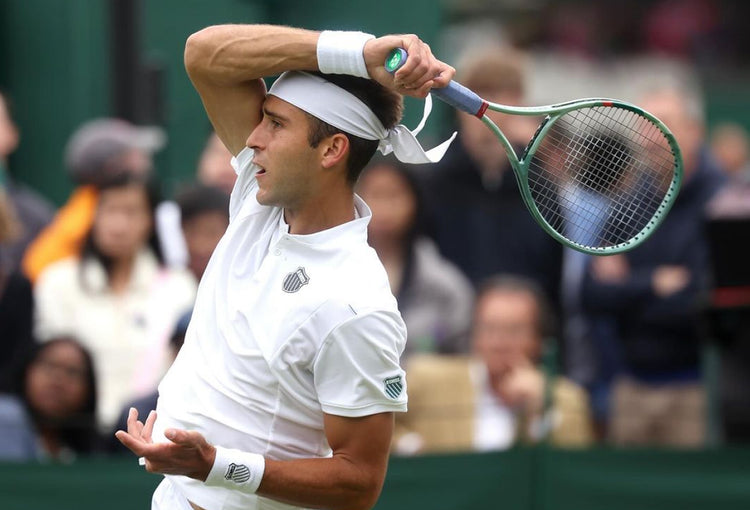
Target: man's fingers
x: 134, y: 426
x: 130, y: 442
x: 148, y: 427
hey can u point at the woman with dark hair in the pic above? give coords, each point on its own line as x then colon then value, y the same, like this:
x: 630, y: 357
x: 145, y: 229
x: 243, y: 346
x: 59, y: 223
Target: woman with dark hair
x: 434, y: 297
x: 51, y: 412
x: 117, y: 296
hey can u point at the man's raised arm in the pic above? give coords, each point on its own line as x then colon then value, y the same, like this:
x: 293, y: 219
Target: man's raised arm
x: 226, y: 64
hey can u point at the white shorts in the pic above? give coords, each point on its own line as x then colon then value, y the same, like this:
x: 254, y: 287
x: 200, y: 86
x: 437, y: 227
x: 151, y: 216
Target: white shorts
x: 167, y: 497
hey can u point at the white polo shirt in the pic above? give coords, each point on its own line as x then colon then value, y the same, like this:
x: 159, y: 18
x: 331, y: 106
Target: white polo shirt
x: 285, y: 328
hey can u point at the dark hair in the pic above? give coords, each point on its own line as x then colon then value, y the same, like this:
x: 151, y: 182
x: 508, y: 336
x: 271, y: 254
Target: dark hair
x: 386, y: 104
x: 546, y: 321
x: 198, y: 199
x: 89, y: 250
x: 78, y: 432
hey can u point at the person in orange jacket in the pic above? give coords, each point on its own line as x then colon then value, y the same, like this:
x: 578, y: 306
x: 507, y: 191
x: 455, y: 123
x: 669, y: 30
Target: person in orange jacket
x: 98, y: 149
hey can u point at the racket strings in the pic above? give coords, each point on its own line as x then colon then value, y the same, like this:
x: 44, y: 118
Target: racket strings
x: 600, y: 174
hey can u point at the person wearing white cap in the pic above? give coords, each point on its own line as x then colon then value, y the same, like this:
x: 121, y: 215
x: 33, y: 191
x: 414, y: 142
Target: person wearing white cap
x: 284, y: 392
x: 96, y: 151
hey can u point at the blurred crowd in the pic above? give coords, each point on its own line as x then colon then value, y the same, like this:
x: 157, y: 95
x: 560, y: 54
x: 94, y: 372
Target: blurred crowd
x: 512, y: 339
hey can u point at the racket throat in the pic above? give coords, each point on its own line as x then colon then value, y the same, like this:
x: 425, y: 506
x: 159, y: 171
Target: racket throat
x: 482, y: 110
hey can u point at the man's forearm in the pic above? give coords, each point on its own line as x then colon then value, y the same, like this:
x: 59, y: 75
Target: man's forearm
x: 334, y: 483
x: 233, y: 54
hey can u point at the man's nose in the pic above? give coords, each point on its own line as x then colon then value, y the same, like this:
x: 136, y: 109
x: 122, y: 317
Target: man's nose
x: 254, y: 141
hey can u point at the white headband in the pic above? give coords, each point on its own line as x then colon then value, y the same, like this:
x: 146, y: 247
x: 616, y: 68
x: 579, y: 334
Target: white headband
x: 341, y: 109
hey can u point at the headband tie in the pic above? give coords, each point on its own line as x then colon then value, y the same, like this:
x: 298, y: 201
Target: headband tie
x: 341, y: 109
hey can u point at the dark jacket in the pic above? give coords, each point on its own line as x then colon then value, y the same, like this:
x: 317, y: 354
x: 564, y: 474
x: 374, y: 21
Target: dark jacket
x: 486, y: 231
x: 661, y: 337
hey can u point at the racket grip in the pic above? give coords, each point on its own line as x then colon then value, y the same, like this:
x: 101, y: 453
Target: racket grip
x: 454, y: 94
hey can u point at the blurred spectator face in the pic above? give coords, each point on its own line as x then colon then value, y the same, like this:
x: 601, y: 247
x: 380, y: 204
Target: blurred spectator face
x: 481, y: 143
x: 670, y: 106
x: 8, y: 132
x: 730, y: 144
x: 497, y: 75
x: 202, y: 233
x: 391, y: 200
x: 505, y: 332
x: 123, y: 221
x: 214, y: 167
x: 56, y: 383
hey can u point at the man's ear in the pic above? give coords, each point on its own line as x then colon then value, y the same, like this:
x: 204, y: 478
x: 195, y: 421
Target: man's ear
x: 335, y: 150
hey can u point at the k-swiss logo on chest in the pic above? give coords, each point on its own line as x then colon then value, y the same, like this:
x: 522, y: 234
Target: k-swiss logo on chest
x: 295, y: 281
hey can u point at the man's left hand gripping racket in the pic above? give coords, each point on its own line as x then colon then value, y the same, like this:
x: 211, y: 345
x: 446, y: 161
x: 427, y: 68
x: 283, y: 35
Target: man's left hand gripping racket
x: 599, y: 175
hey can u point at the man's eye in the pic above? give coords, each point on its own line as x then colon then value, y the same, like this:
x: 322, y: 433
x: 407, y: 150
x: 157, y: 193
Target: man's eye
x: 275, y: 123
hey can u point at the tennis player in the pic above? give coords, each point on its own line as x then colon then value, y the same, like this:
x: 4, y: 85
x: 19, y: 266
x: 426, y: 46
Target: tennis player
x: 284, y: 392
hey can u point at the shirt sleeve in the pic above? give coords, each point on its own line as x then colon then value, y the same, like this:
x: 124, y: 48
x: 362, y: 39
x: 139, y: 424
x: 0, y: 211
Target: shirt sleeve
x: 357, y: 371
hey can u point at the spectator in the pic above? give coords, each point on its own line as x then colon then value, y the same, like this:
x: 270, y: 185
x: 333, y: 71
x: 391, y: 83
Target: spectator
x: 214, y: 171
x: 116, y: 296
x: 480, y: 221
x: 434, y: 297
x: 653, y: 294
x: 730, y: 144
x: 96, y: 150
x: 51, y: 413
x: 496, y: 397
x: 204, y: 216
x: 214, y: 167
x: 16, y: 304
x: 26, y: 212
x: 146, y: 404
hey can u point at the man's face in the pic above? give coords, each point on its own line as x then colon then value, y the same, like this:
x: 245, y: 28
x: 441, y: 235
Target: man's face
x: 670, y: 108
x: 505, y: 332
x: 481, y: 143
x: 202, y: 233
x: 287, y: 162
x: 215, y: 168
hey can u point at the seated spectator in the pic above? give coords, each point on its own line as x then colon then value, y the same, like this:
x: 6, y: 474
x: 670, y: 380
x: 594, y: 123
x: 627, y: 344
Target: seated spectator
x: 96, y: 150
x: 26, y: 213
x: 434, y: 297
x: 146, y: 404
x: 51, y: 413
x: 116, y: 296
x: 497, y: 397
x: 204, y: 217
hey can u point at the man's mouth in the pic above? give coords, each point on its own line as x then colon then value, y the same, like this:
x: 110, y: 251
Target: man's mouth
x: 260, y: 170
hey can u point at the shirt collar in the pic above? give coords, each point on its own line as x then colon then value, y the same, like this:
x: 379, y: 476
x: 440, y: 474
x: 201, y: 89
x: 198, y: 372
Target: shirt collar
x: 351, y: 231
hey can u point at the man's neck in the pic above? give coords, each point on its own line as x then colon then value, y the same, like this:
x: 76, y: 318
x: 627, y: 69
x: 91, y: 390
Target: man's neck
x: 320, y: 214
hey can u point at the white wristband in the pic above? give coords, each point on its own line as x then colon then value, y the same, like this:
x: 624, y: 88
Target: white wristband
x: 237, y: 470
x: 341, y: 53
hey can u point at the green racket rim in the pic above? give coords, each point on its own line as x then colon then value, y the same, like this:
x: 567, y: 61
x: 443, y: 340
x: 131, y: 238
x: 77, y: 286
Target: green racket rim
x: 521, y: 169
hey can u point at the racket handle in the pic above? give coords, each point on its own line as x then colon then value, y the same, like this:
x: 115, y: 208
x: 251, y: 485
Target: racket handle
x: 454, y: 94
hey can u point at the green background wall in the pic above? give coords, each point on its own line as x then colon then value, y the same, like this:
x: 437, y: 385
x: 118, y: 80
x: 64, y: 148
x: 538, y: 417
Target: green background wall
x: 520, y: 479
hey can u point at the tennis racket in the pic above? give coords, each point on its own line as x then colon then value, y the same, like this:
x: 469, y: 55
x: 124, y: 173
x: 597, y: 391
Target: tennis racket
x: 599, y: 175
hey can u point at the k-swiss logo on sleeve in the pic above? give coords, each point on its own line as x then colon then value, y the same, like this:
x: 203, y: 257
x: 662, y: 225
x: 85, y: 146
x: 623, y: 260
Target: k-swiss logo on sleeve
x: 296, y: 280
x: 237, y: 473
x: 393, y: 387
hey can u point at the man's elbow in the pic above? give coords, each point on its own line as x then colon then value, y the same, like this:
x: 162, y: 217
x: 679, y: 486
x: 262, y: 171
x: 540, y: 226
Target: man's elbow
x: 198, y: 50
x: 365, y: 495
